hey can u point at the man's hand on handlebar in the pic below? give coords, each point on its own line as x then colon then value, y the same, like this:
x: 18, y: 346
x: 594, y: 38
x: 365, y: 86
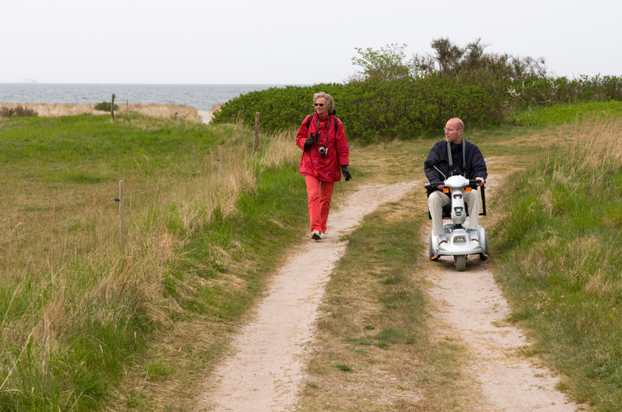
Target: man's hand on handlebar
x: 481, y: 181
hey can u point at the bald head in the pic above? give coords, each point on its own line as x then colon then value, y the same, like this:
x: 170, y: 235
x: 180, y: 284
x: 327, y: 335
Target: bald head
x: 453, y: 130
x: 457, y: 122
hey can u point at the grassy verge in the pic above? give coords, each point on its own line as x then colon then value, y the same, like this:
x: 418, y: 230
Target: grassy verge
x: 79, y: 306
x: 227, y: 266
x: 561, y: 260
x: 373, y: 351
x: 568, y: 113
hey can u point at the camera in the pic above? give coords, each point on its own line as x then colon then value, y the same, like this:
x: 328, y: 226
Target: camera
x: 323, y: 150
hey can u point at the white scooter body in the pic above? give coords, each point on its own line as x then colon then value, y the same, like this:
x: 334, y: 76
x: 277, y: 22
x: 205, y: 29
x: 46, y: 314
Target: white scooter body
x: 459, y: 243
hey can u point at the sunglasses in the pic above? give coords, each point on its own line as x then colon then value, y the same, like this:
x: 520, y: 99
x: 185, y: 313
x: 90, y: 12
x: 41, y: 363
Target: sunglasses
x: 319, y: 104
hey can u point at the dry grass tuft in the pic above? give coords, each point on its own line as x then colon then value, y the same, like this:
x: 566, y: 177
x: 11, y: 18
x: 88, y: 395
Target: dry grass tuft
x: 281, y: 146
x: 599, y: 286
x: 593, y: 144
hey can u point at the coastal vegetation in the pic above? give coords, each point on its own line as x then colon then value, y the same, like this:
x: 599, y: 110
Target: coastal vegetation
x: 78, y: 303
x: 395, y: 97
x: 17, y: 111
x: 90, y: 320
x: 561, y: 256
x: 159, y: 111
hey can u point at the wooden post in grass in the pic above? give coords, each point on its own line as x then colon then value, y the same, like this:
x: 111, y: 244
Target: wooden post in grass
x: 219, y: 160
x: 112, y: 107
x: 127, y: 106
x: 121, y: 215
x: 178, y: 116
x: 256, y: 141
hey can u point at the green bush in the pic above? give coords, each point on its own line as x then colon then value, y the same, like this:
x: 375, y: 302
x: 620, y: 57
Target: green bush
x: 374, y: 110
x: 547, y: 90
x: 105, y: 106
x: 397, y: 98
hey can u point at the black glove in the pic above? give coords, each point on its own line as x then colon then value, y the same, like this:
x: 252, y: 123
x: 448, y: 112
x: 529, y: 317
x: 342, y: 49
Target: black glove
x: 346, y: 173
x: 308, y: 142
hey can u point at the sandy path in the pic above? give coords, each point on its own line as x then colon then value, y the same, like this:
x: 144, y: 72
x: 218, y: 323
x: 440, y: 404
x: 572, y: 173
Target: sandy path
x: 206, y: 116
x: 469, y: 302
x: 267, y: 368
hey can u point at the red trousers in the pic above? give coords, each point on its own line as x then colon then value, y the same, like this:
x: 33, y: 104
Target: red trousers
x: 319, y: 196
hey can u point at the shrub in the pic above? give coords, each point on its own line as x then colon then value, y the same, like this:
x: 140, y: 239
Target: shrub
x: 393, y: 97
x: 18, y: 111
x: 374, y: 110
x: 105, y: 106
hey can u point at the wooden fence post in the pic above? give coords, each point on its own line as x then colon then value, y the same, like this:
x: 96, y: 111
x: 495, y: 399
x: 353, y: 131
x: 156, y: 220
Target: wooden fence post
x: 256, y: 141
x: 178, y: 116
x: 121, y: 214
x: 219, y: 160
x: 112, y: 107
x: 127, y: 106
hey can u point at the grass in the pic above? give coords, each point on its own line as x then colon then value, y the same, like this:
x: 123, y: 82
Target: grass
x: 568, y: 113
x: 78, y: 306
x: 561, y: 260
x: 89, y: 322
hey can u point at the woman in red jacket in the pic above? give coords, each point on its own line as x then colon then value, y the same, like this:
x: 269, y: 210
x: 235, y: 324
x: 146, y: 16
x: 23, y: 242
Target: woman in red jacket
x: 325, y: 157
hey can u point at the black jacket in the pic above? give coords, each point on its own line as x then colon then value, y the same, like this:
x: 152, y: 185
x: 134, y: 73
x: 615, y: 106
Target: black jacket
x: 475, y: 164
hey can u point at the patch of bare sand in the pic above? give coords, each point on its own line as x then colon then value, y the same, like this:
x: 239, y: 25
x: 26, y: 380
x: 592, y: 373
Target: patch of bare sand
x: 206, y: 116
x: 266, y: 369
x: 468, y: 303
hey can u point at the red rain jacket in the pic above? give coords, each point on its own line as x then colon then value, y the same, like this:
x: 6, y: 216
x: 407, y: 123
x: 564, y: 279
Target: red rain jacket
x: 312, y: 164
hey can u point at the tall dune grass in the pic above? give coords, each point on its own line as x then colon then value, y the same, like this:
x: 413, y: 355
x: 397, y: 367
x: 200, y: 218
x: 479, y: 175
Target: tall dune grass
x: 562, y: 259
x: 76, y: 300
x: 155, y: 110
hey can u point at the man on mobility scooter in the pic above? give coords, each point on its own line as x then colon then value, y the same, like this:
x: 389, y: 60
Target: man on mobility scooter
x: 455, y: 169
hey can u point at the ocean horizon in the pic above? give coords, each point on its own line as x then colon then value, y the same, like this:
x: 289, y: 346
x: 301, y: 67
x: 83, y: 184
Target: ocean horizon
x: 201, y: 96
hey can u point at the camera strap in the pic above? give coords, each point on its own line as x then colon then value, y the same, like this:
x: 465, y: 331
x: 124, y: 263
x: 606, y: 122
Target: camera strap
x: 317, y: 129
x: 310, y: 119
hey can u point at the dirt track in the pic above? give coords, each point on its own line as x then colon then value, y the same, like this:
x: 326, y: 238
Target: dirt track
x: 266, y: 367
x: 469, y: 305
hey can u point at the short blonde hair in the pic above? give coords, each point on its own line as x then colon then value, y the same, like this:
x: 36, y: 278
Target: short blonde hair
x: 330, y: 102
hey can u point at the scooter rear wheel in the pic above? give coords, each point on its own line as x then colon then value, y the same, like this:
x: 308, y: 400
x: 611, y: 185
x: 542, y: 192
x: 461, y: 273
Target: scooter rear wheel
x: 460, y: 263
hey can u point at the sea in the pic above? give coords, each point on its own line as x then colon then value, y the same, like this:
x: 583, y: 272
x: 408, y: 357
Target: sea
x: 200, y: 96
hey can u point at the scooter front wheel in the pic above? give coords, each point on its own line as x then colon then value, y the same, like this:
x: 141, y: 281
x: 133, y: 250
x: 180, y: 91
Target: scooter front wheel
x: 460, y: 263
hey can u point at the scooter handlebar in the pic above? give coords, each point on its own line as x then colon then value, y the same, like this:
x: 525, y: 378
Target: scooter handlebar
x: 434, y: 184
x: 472, y: 183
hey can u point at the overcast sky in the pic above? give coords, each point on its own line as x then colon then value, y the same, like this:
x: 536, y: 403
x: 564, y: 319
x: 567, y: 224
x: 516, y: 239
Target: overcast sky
x: 286, y: 41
